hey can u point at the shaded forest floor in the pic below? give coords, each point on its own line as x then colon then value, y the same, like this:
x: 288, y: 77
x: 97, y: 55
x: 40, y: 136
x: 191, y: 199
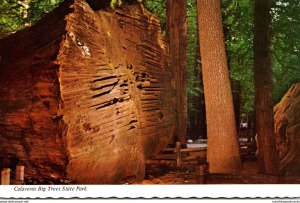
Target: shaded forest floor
x: 158, y: 174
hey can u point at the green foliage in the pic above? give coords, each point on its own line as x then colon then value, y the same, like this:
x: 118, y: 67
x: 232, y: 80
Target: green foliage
x: 285, y: 45
x: 38, y: 8
x: 18, y: 14
x: 238, y: 27
x: 10, y: 17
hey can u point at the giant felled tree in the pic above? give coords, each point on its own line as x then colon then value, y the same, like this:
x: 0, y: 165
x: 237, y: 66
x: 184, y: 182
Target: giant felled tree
x: 86, y: 94
x: 268, y: 156
x: 223, y: 148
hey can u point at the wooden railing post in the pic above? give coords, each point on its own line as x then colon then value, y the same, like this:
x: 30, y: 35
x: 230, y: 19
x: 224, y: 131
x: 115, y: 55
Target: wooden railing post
x: 5, y: 176
x: 19, y: 174
x: 178, y: 154
x: 201, y: 171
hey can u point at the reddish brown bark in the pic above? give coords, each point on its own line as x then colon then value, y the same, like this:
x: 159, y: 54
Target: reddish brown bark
x: 268, y: 155
x: 223, y: 148
x: 177, y: 36
x: 85, y: 94
x: 287, y: 129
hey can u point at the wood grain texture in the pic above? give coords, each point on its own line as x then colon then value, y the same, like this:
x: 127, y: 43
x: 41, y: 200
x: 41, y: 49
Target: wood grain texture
x: 287, y: 131
x: 113, y: 97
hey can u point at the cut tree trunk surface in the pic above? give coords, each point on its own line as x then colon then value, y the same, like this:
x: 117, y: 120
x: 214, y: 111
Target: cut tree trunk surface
x: 86, y: 95
x: 287, y: 130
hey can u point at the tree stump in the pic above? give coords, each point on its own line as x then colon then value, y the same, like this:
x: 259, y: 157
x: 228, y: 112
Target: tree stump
x: 20, y: 173
x: 5, y: 176
x: 201, y: 171
x: 178, y: 154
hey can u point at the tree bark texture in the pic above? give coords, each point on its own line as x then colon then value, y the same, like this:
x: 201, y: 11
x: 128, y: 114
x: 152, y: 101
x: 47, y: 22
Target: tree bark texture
x: 268, y: 155
x: 177, y: 36
x: 86, y: 95
x: 223, y: 148
x: 287, y: 130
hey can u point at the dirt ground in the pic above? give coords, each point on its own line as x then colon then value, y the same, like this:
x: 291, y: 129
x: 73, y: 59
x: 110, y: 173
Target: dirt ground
x: 186, y: 175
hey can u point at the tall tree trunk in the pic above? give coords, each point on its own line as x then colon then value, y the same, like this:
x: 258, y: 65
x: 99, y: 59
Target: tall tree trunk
x: 223, y: 148
x: 268, y: 156
x: 177, y: 36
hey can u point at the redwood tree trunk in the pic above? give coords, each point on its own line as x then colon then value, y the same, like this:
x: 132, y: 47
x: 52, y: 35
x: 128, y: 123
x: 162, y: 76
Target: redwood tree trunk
x: 223, y: 148
x: 268, y: 156
x: 177, y: 35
